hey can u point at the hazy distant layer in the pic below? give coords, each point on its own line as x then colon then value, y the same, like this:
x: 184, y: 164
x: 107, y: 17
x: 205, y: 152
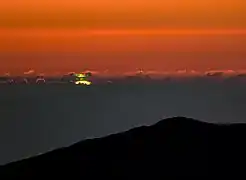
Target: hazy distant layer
x: 114, y: 73
x: 35, y: 119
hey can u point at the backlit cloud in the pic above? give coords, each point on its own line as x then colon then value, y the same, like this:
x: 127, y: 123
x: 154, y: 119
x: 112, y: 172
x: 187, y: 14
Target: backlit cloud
x: 31, y: 71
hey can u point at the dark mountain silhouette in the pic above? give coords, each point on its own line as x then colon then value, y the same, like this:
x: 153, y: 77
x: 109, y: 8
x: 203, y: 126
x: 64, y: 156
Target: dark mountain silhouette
x: 172, y: 147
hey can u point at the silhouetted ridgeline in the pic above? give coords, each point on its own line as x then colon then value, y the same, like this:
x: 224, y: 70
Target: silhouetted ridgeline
x: 176, y: 146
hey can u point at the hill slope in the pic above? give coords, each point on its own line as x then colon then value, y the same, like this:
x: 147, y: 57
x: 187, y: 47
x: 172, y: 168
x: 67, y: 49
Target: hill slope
x: 176, y: 146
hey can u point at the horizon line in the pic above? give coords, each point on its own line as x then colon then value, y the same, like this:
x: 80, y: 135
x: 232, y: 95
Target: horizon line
x: 145, y: 72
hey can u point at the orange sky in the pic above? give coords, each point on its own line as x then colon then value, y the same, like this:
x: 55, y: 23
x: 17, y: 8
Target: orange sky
x: 57, y: 35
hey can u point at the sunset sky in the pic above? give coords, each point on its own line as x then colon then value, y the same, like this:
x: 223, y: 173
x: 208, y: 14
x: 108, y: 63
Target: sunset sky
x: 122, y: 35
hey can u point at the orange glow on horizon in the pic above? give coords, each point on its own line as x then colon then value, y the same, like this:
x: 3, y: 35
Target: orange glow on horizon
x: 53, y: 32
x: 53, y: 35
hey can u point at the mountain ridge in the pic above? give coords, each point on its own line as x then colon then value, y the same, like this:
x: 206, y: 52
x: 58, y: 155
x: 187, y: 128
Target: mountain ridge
x: 174, y: 146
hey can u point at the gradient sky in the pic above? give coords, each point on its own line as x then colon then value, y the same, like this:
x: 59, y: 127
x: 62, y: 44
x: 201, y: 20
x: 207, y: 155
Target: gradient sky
x: 64, y: 35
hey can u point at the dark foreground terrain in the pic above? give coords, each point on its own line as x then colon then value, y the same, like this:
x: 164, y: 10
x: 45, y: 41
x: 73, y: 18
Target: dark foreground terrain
x: 37, y: 119
x: 176, y: 146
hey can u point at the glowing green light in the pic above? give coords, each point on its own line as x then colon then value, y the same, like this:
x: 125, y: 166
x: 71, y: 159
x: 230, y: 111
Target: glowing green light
x: 80, y: 75
x: 81, y: 80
